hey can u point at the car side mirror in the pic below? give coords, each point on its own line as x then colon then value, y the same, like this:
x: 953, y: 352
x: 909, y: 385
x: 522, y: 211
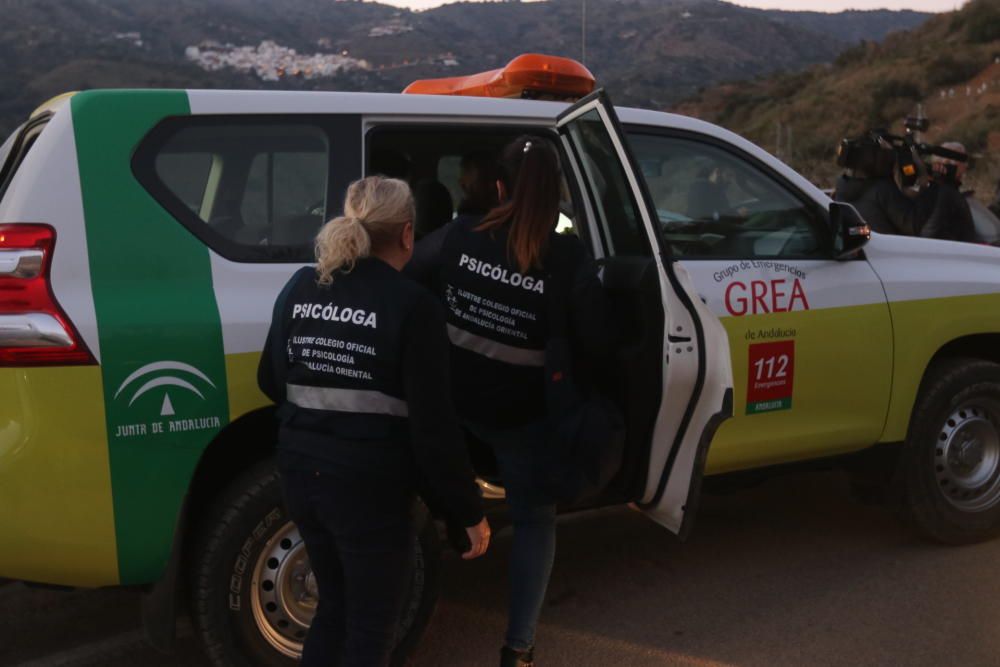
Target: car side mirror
x: 850, y: 231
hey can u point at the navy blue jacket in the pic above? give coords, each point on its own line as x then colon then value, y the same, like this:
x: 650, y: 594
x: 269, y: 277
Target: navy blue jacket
x: 498, y: 318
x: 359, y: 370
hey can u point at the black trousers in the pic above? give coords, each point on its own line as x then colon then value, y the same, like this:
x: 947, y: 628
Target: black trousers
x: 360, y: 539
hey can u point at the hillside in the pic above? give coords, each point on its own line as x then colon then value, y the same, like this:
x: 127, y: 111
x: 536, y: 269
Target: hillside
x: 950, y: 66
x: 646, y: 52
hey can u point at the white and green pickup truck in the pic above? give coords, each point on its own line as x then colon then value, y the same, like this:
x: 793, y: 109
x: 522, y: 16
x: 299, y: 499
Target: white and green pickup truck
x: 144, y: 235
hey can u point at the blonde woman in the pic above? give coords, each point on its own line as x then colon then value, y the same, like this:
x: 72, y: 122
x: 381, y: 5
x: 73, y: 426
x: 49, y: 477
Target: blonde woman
x: 357, y: 361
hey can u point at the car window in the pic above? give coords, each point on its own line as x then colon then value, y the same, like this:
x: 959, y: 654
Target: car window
x: 254, y: 205
x: 618, y: 214
x: 449, y: 173
x: 253, y: 190
x: 714, y: 203
x: 451, y: 169
x: 7, y: 145
x: 16, y: 148
x: 284, y: 200
x: 186, y: 174
x: 252, y: 184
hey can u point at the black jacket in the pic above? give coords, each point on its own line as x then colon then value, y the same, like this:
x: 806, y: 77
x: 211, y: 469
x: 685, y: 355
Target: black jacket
x: 882, y: 205
x: 498, y: 317
x: 950, y: 218
x: 359, y: 370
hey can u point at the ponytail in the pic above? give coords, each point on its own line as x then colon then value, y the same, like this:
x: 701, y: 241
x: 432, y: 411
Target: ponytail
x: 339, y: 245
x: 529, y: 169
x: 375, y: 211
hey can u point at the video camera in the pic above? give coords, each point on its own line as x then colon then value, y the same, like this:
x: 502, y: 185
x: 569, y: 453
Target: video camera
x: 877, y: 152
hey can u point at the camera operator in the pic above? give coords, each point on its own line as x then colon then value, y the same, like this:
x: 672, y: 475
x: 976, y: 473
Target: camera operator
x: 950, y: 218
x: 871, y: 189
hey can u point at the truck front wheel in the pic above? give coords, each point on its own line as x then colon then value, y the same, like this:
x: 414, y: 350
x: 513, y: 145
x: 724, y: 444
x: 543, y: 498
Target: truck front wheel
x: 253, y: 591
x: 950, y: 464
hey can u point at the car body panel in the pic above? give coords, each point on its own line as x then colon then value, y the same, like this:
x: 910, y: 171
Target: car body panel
x: 56, y: 508
x: 163, y: 365
x: 806, y: 313
x: 111, y: 495
x: 55, y: 474
x: 829, y: 416
x: 938, y: 292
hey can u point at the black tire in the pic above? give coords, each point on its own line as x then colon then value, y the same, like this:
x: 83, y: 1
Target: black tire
x: 233, y: 534
x: 946, y: 495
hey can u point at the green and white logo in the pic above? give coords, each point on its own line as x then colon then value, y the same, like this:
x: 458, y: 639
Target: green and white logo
x: 165, y: 375
x: 167, y: 409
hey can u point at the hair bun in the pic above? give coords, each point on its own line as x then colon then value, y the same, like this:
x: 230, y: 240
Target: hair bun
x: 376, y: 210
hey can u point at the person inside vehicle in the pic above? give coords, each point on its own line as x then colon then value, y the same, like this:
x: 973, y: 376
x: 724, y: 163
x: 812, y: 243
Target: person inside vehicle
x: 707, y: 198
x: 392, y: 164
x: 495, y: 274
x: 950, y: 218
x: 357, y: 361
x: 433, y: 207
x: 870, y: 187
x: 478, y: 177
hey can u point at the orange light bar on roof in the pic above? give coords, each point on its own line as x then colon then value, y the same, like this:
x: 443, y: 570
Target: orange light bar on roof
x: 531, y: 75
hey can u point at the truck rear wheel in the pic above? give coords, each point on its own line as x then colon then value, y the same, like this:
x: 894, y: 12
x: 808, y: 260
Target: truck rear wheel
x: 950, y: 464
x: 253, y: 592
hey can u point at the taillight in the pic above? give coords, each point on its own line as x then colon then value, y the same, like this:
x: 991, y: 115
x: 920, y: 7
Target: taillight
x: 34, y: 331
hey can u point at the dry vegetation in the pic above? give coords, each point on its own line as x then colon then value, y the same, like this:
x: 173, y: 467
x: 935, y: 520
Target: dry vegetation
x: 949, y: 65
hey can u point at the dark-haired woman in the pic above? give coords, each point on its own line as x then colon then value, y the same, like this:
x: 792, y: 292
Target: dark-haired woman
x: 356, y: 360
x: 497, y: 276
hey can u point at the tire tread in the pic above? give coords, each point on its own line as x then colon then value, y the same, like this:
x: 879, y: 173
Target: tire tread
x: 923, y: 507
x: 210, y: 538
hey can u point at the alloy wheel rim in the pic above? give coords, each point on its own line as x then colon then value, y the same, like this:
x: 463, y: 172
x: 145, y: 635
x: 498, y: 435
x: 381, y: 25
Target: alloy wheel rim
x: 967, y: 458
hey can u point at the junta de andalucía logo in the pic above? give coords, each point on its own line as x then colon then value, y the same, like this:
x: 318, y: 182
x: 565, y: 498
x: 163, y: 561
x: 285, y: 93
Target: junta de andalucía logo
x: 165, y: 376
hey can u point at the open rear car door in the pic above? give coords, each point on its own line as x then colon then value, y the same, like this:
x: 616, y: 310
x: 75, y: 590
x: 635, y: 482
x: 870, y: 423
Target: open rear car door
x: 695, y: 394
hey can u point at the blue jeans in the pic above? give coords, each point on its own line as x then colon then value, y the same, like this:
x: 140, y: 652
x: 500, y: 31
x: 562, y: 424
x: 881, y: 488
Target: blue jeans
x: 534, y: 521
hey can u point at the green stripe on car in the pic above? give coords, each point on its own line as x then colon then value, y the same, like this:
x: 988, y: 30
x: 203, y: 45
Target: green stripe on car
x: 161, y: 347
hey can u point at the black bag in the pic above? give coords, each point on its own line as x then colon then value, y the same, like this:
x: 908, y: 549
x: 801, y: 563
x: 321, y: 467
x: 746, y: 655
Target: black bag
x: 587, y: 429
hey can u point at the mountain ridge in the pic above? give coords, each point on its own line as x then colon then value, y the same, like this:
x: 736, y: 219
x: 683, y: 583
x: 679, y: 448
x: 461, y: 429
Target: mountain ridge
x: 648, y: 53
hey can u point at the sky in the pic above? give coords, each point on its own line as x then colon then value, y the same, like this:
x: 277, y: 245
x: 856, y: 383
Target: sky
x: 815, y: 5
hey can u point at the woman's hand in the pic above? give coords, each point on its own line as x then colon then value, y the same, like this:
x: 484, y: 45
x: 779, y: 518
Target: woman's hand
x: 479, y: 539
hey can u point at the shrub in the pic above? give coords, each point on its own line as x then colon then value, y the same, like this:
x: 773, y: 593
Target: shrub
x: 982, y: 21
x: 974, y: 132
x: 852, y: 55
x: 948, y: 69
x: 985, y: 32
x: 890, y: 96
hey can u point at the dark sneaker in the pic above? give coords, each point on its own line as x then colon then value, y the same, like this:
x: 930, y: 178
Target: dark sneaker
x: 511, y: 658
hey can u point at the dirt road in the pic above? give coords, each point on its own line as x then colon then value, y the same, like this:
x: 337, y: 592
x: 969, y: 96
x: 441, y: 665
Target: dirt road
x: 790, y: 573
